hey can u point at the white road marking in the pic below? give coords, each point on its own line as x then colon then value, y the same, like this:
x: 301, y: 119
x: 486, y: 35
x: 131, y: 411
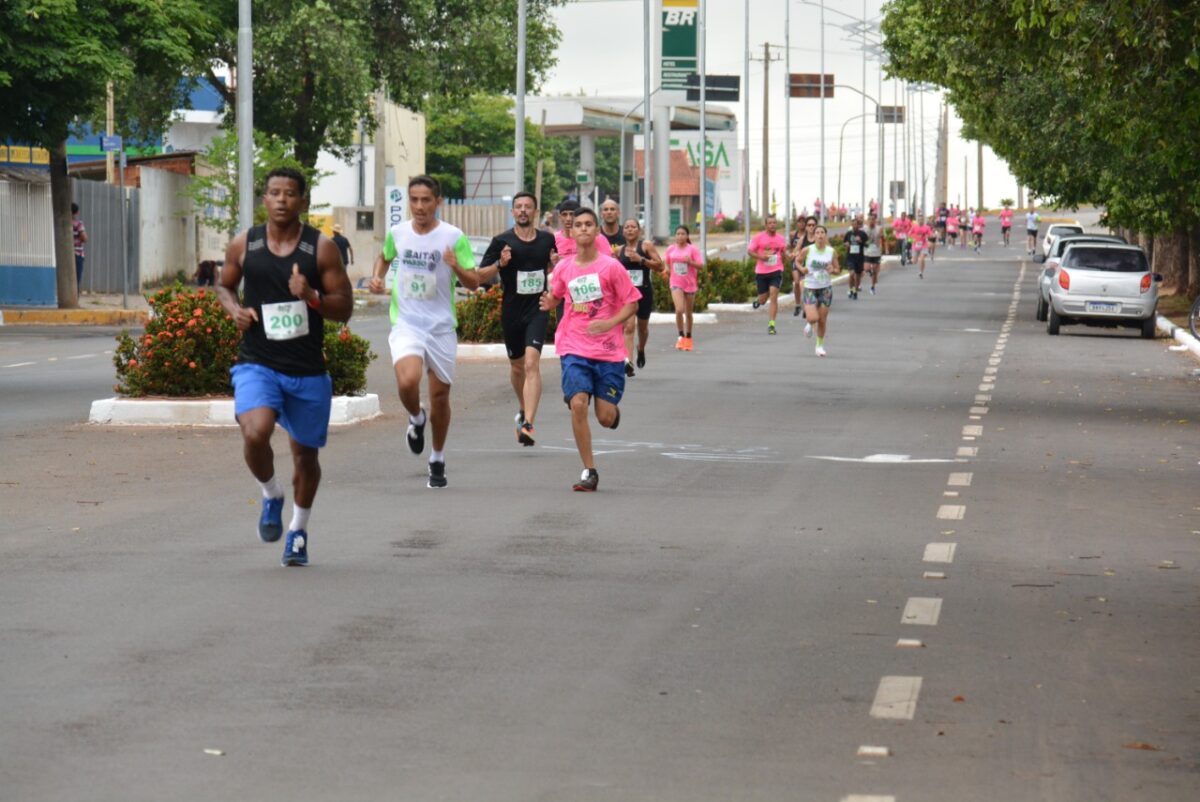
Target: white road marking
x: 909, y: 643
x: 868, y: 798
x: 974, y: 417
x: 933, y: 575
x: 950, y: 493
x: 939, y: 552
x: 52, y: 359
x: 982, y: 399
x: 968, y: 437
x: 882, y: 459
x: 968, y: 451
x: 921, y: 612
x: 951, y: 512
x: 20, y: 364
x: 979, y: 410
x: 866, y: 750
x: 960, y: 479
x: 990, y: 371
x: 896, y: 697
x: 972, y: 431
x: 986, y: 388
x: 83, y: 356
x: 994, y: 360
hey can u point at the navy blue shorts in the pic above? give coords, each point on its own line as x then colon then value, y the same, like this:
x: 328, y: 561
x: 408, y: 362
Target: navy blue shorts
x: 605, y: 380
x: 301, y: 403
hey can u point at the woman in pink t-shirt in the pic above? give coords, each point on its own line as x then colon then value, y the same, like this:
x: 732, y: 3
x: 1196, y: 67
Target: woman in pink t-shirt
x: 921, y: 234
x: 683, y: 262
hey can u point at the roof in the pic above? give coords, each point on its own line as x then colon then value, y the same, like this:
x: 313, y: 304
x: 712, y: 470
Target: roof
x: 685, y: 179
x: 24, y: 175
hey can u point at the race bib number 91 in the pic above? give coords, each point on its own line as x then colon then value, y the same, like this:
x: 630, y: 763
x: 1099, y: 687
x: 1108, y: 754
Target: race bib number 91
x: 418, y: 286
x: 585, y: 289
x: 285, y: 321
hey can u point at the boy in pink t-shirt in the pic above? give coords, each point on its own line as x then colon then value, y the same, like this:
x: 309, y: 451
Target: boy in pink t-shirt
x: 590, y: 339
x: 769, y: 248
x: 564, y: 244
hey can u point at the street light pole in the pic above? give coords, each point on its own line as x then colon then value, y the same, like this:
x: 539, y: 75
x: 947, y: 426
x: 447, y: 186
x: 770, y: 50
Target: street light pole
x: 841, y: 142
x: 519, y: 144
x: 245, y: 116
x: 746, y: 135
x: 787, y: 120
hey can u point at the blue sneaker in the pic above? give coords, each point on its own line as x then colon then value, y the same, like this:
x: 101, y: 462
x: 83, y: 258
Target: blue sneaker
x: 295, y: 550
x: 270, y: 523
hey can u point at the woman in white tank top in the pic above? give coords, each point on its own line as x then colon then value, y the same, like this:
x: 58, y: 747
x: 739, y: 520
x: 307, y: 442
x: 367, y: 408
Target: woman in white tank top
x: 818, y: 263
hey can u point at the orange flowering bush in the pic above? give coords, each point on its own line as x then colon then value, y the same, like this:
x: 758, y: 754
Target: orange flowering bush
x: 190, y: 344
x: 187, y: 348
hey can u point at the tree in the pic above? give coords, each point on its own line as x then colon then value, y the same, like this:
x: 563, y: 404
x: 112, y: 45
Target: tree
x: 316, y: 63
x: 58, y: 56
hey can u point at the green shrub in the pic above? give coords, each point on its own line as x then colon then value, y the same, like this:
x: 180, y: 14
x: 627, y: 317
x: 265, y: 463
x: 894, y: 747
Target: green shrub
x: 729, y: 225
x: 190, y: 344
x: 347, y: 356
x: 479, y: 317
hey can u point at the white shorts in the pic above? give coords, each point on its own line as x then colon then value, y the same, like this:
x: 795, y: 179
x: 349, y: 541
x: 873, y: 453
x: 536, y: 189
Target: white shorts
x: 437, y: 349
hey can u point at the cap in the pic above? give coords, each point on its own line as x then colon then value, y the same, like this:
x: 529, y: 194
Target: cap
x: 337, y: 228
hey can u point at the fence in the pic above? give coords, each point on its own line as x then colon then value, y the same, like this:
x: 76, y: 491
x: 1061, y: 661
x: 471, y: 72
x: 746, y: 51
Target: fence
x: 168, y: 226
x: 26, y: 243
x: 100, y: 211
x: 477, y: 220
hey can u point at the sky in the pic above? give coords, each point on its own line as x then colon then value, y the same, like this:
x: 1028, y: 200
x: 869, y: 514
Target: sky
x: 601, y: 54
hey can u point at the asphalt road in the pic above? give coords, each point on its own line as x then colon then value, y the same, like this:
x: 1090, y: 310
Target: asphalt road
x: 719, y: 622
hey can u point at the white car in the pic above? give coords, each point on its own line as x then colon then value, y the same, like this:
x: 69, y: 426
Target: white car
x: 1106, y: 285
x: 1055, y: 231
x: 1061, y: 243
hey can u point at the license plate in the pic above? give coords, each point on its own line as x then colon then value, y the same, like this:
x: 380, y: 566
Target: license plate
x: 1098, y: 306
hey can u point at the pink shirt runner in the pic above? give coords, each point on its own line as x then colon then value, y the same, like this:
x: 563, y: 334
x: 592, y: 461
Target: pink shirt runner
x: 901, y: 227
x: 1006, y: 218
x: 977, y: 224
x: 921, y: 235
x: 598, y: 299
x: 765, y: 244
x: 675, y: 259
x: 566, y: 246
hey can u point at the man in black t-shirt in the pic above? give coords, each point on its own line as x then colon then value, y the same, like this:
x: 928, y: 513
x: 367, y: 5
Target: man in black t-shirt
x: 856, y: 244
x: 521, y: 257
x: 610, y: 226
x: 294, y: 281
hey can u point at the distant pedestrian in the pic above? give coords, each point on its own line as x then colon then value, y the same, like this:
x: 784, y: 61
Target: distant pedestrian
x: 343, y: 246
x: 206, y: 273
x: 80, y: 236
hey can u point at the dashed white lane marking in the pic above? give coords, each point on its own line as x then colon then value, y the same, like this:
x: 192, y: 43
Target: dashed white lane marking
x: 990, y: 371
x: 979, y: 410
x: 939, y: 552
x: 20, y: 364
x: 982, y: 399
x: 52, y: 359
x: 950, y: 493
x: 951, y: 512
x: 972, y: 431
x: 933, y: 575
x: 922, y: 612
x: 968, y: 451
x: 868, y: 798
x: 83, y: 356
x: 896, y: 697
x: 960, y: 479
x: 987, y: 387
x: 909, y: 643
x: 867, y: 750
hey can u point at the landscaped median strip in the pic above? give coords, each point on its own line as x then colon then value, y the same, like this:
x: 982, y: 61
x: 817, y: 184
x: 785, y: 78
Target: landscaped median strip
x: 346, y: 409
x: 73, y: 317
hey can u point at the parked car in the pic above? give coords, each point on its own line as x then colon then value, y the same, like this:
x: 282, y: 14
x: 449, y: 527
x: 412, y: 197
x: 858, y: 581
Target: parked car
x: 1055, y: 256
x: 1106, y: 285
x: 1057, y: 230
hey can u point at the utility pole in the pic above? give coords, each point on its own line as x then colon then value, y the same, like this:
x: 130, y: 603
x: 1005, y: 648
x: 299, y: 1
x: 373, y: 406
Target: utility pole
x: 245, y: 116
x: 745, y: 125
x: 979, y: 174
x: 110, y: 172
x: 765, y: 175
x: 519, y: 143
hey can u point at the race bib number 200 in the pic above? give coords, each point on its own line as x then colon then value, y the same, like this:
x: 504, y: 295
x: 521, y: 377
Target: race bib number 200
x: 285, y: 321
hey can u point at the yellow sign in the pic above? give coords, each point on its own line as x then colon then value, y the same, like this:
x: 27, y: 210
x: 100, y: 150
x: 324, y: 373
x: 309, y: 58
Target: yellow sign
x: 3, y: 153
x: 18, y: 153
x: 41, y: 156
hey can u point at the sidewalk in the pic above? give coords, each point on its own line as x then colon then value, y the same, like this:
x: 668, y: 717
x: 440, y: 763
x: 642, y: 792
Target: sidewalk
x: 95, y: 309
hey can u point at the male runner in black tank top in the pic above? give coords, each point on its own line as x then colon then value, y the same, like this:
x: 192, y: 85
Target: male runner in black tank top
x: 294, y: 280
x: 521, y: 257
x: 801, y: 239
x: 640, y: 258
x: 610, y: 225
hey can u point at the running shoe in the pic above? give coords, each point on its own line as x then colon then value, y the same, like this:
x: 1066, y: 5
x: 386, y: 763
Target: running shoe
x: 820, y: 351
x: 872, y: 290
x: 416, y: 434
x: 771, y: 328
x: 525, y: 434
x: 519, y: 420
x: 920, y: 275
x: 295, y: 548
x: 755, y: 304
x: 588, y: 481
x: 270, y: 523
x: 437, y: 474
x: 629, y: 368
x: 808, y: 330
x: 679, y: 344
x: 850, y: 294
x: 687, y: 343
x: 796, y: 312
x: 641, y: 360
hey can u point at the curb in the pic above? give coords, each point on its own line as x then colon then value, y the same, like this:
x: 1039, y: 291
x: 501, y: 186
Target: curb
x: 212, y: 412
x: 74, y: 317
x: 498, y: 351
x: 1180, y: 334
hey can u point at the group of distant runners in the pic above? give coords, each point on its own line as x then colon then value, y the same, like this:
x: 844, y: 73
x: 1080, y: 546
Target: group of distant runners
x: 596, y: 270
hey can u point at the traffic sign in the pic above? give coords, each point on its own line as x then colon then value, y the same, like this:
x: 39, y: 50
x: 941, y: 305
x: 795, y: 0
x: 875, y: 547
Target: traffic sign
x: 717, y: 88
x: 889, y: 115
x: 809, y: 84
x: 110, y: 144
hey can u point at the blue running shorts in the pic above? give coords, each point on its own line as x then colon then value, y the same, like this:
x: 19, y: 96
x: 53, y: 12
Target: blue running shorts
x: 301, y: 403
x: 605, y: 380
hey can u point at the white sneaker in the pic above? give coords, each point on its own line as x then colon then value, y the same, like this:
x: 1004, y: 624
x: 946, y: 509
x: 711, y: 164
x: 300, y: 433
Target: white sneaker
x: 820, y: 350
x: 808, y: 330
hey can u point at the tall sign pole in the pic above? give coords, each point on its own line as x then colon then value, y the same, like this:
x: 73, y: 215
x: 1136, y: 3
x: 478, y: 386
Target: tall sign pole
x: 245, y: 116
x: 519, y: 144
x: 700, y: 37
x: 787, y: 121
x: 746, y: 134
x: 647, y: 110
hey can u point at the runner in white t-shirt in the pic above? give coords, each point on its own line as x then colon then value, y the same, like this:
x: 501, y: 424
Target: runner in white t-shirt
x: 1032, y: 221
x: 427, y: 255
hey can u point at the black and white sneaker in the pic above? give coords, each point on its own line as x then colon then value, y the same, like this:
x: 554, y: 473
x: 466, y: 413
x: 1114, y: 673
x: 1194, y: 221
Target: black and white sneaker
x: 641, y: 359
x: 629, y: 369
x: 416, y: 434
x: 797, y: 311
x: 437, y: 474
x: 588, y: 481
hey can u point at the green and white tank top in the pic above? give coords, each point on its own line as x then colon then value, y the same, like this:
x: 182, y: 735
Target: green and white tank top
x: 422, y: 282
x: 817, y: 263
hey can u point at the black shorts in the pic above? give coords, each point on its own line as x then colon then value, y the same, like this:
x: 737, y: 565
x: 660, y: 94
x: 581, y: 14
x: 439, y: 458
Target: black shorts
x: 854, y: 264
x: 521, y: 333
x: 767, y: 280
x: 1005, y: 229
x: 646, y: 303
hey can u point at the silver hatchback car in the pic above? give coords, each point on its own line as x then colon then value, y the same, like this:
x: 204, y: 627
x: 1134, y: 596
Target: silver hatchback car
x: 1103, y: 285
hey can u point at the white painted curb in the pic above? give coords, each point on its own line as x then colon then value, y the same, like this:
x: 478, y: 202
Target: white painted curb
x: 346, y: 409
x: 1179, y: 333
x: 497, y: 350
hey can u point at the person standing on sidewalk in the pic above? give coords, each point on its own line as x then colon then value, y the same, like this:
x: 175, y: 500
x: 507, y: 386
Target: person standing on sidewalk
x: 432, y: 254
x: 343, y: 245
x: 80, y: 237
x: 294, y: 280
x: 684, y: 260
x: 768, y: 248
x: 521, y: 257
x: 598, y: 298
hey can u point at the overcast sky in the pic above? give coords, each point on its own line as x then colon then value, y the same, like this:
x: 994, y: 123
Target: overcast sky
x: 601, y: 54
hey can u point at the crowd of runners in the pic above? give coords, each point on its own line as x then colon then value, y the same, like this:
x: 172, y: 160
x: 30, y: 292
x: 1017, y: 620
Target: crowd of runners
x: 596, y: 270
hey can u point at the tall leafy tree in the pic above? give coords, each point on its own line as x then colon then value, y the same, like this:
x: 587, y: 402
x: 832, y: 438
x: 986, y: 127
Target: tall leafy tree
x: 56, y: 58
